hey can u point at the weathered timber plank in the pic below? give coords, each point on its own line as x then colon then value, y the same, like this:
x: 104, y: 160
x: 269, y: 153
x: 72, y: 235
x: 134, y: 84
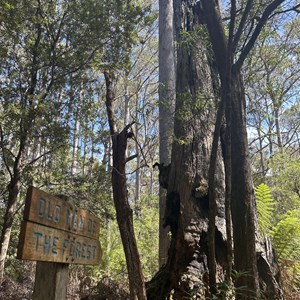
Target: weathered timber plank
x: 51, y: 211
x: 51, y: 281
x: 41, y: 243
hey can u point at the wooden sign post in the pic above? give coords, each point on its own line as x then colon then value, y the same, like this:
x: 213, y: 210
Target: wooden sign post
x: 56, y: 233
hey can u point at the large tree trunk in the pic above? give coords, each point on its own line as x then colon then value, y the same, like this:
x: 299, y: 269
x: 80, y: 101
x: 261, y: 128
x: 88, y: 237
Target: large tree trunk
x: 166, y: 108
x: 187, y: 209
x: 123, y: 210
x: 253, y: 257
x: 188, y: 202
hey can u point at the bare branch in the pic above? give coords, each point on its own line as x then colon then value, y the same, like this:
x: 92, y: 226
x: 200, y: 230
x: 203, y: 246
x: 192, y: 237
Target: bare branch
x: 295, y: 8
x: 241, y: 26
x: 141, y: 149
x: 140, y: 167
x: 39, y: 157
x: 262, y: 21
x: 131, y: 157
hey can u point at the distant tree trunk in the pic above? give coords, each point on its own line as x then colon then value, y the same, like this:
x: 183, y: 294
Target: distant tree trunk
x: 166, y: 108
x: 263, y: 168
x: 13, y: 192
x: 277, y: 126
x: 138, y: 164
x: 120, y: 196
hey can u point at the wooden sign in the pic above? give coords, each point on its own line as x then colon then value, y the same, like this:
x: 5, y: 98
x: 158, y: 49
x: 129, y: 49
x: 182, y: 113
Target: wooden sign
x: 56, y: 231
x: 51, y: 211
x: 41, y: 243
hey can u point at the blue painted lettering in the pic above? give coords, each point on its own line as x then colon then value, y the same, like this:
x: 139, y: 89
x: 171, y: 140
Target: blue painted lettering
x: 48, y: 211
x: 75, y: 221
x: 57, y: 213
x: 78, y: 248
x: 83, y: 245
x: 37, y: 237
x: 88, y: 251
x: 94, y: 251
x: 47, y: 241
x: 81, y: 223
x: 72, y: 248
x: 41, y: 208
x: 65, y: 246
x: 54, y: 251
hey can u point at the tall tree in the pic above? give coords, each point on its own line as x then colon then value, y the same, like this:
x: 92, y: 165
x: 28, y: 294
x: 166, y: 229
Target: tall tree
x: 233, y: 95
x: 166, y: 107
x: 120, y: 196
x: 26, y: 87
x: 187, y: 206
x: 192, y: 245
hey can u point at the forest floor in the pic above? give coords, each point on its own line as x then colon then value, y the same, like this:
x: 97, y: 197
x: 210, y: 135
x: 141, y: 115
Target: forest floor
x: 80, y: 287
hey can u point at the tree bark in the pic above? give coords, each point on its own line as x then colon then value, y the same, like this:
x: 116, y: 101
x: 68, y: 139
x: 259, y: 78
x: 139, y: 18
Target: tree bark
x: 242, y: 196
x: 123, y: 210
x: 187, y: 206
x: 166, y: 108
x: 13, y: 192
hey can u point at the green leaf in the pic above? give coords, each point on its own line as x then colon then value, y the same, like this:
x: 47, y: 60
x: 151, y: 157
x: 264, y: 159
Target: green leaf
x: 265, y: 207
x: 286, y: 236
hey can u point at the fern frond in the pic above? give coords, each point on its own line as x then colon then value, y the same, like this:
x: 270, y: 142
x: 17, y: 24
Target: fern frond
x: 265, y: 207
x: 286, y: 236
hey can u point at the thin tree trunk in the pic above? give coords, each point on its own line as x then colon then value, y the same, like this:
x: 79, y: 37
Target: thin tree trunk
x: 138, y: 162
x: 243, y: 212
x: 261, y: 153
x: 13, y: 192
x: 123, y: 210
x: 212, y: 198
x: 277, y: 126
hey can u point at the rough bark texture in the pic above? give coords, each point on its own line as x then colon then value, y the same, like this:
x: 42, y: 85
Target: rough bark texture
x: 186, y: 273
x: 166, y: 108
x: 187, y: 209
x: 249, y: 255
x: 123, y: 210
x: 242, y: 196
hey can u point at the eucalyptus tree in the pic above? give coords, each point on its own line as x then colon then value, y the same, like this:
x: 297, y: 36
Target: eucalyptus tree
x: 166, y: 107
x: 236, y: 48
x: 231, y: 35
